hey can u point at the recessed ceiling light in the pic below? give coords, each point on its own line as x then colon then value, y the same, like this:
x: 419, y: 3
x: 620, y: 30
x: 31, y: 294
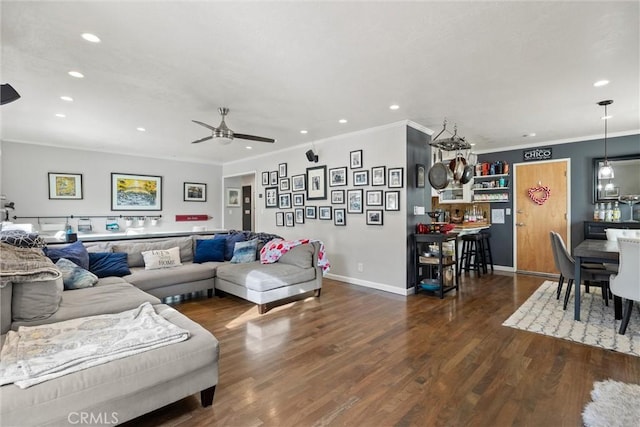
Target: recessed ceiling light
x: 606, y: 117
x: 141, y: 129
x: 394, y: 107
x: 526, y: 135
x: 66, y: 98
x: 62, y: 116
x: 91, y: 37
x: 342, y: 121
x: 601, y: 83
x: 472, y: 144
x: 76, y: 74
x: 248, y: 147
x: 304, y: 131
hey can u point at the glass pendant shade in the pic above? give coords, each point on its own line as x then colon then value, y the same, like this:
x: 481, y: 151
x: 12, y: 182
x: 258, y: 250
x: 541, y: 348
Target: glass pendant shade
x: 605, y: 171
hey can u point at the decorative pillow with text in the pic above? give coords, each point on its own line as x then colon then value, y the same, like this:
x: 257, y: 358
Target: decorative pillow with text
x: 161, y: 258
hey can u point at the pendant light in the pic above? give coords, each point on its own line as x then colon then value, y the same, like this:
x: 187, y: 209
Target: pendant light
x: 605, y: 171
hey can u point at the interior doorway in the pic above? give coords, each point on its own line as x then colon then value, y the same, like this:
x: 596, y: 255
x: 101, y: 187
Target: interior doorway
x: 541, y: 205
x: 242, y: 215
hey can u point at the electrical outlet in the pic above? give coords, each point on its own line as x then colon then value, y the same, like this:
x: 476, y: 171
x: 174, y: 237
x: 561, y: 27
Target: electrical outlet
x: 360, y: 267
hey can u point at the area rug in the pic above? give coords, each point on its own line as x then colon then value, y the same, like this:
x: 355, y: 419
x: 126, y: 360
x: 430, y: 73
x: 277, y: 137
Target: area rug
x: 614, y: 404
x: 542, y: 313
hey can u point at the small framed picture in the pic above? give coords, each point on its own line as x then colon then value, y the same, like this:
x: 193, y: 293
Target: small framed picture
x: 282, y: 170
x: 337, y: 197
x: 284, y: 200
x: 271, y: 197
x: 195, y: 192
x: 324, y: 212
x: 378, y: 175
x: 374, y: 197
x: 392, y: 201
x: 298, y: 183
x: 374, y: 216
x: 279, y: 219
x: 361, y: 178
x: 354, y: 201
x: 298, y: 199
x: 265, y: 179
x: 420, y: 175
x: 339, y: 217
x: 299, y: 214
x: 233, y: 197
x: 338, y: 177
x: 396, y: 178
x: 310, y: 212
x: 273, y: 178
x: 284, y: 184
x: 65, y: 186
x: 288, y: 219
x: 355, y: 159
x: 317, y: 183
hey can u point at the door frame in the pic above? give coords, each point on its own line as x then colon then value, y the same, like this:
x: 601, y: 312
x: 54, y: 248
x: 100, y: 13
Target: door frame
x: 515, y: 204
x: 254, y: 188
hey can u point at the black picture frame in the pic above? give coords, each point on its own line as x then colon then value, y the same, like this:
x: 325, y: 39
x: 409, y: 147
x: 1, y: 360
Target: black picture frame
x: 299, y: 214
x: 360, y: 178
x: 317, y: 183
x: 284, y: 200
x: 355, y: 159
x: 375, y: 217
x: 392, y: 201
x: 284, y: 184
x: 298, y: 199
x: 279, y: 219
x: 299, y: 182
x: 194, y: 192
x: 65, y: 186
x: 282, y: 170
x: 378, y: 176
x: 310, y: 212
x: 338, y: 177
x: 324, y: 212
x: 265, y: 179
x: 339, y: 217
x: 337, y: 197
x: 271, y: 197
x: 288, y: 219
x: 395, y: 177
x: 354, y: 201
x: 375, y: 198
x: 273, y: 178
x: 420, y: 175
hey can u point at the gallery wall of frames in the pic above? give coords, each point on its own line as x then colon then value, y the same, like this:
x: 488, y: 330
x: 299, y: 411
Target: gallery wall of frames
x: 320, y: 193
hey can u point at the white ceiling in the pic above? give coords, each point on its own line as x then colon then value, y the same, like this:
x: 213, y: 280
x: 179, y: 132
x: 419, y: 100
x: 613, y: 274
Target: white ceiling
x: 497, y: 69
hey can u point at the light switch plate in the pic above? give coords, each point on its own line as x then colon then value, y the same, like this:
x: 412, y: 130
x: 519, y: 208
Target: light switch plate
x: 418, y: 210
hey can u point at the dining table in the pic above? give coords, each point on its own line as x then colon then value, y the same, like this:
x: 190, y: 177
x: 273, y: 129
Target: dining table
x: 593, y: 251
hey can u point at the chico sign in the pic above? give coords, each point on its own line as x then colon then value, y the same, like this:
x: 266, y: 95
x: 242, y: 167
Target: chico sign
x: 537, y: 154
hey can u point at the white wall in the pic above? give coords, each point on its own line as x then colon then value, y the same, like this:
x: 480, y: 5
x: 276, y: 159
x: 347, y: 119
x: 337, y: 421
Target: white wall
x: 380, y: 249
x: 25, y: 182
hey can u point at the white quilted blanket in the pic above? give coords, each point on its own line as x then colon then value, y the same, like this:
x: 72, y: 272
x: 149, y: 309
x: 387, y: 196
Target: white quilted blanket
x: 35, y: 354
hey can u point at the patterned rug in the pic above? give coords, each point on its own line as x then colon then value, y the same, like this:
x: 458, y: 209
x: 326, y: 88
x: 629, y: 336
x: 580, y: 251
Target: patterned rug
x: 542, y: 313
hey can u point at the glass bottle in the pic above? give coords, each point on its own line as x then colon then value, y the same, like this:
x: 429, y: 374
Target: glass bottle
x: 601, y: 212
x: 616, y: 212
x: 596, y: 213
x: 608, y: 216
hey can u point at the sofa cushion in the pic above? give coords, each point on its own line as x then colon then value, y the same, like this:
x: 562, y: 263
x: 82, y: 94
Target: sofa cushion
x: 231, y: 240
x: 134, y: 249
x: 75, y: 252
x: 209, y: 250
x: 36, y: 300
x: 245, y: 252
x: 105, y: 264
x: 74, y: 276
x: 185, y: 273
x: 161, y: 258
x: 22, y: 239
x: 263, y: 277
x: 300, y: 256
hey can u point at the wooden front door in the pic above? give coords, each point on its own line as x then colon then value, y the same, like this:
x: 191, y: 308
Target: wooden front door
x: 534, y: 221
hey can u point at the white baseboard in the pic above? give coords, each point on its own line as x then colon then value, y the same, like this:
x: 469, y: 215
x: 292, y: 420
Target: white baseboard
x: 372, y: 285
x: 504, y: 268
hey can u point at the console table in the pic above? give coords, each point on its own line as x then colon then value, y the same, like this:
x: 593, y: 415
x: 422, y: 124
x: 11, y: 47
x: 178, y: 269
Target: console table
x: 595, y: 229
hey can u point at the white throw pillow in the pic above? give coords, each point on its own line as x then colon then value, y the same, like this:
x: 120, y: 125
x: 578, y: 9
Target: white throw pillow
x: 161, y: 258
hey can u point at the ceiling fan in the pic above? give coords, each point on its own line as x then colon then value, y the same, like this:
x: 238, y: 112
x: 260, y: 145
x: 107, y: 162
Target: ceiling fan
x: 225, y: 134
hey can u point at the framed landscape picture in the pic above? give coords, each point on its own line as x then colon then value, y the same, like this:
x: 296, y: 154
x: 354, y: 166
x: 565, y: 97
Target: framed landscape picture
x: 195, y: 192
x: 374, y: 216
x: 338, y: 177
x: 65, y: 186
x: 317, y: 183
x: 136, y: 192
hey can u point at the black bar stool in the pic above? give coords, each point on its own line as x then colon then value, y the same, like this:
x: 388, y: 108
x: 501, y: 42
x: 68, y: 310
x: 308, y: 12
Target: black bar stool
x: 472, y: 258
x: 486, y: 247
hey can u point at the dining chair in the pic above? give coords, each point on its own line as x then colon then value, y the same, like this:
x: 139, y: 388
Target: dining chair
x: 626, y: 283
x: 554, y: 249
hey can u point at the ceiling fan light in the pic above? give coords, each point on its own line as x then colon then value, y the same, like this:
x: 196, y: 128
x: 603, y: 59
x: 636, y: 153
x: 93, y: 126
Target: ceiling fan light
x: 605, y: 171
x: 224, y: 140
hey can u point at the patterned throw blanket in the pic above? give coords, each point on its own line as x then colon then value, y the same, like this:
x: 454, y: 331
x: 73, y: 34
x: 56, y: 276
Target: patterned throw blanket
x: 25, y: 265
x: 272, y: 251
x: 35, y: 354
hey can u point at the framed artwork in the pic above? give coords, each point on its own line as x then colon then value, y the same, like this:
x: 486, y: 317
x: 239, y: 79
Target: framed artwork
x: 265, y: 178
x: 195, y: 192
x: 298, y: 183
x: 392, y: 201
x: 233, y: 198
x: 271, y: 197
x: 284, y: 184
x: 395, y: 178
x: 284, y: 200
x: 310, y: 212
x: 420, y: 175
x: 299, y: 214
x: 378, y: 175
x: 361, y: 178
x: 339, y: 217
x: 337, y: 197
x: 279, y: 219
x: 338, y: 177
x: 273, y: 178
x: 136, y: 192
x: 65, y: 186
x: 298, y: 200
x: 288, y: 219
x: 354, y: 201
x: 324, y: 212
x: 317, y: 183
x: 374, y: 197
x: 355, y: 159
x: 282, y: 170
x: 374, y: 216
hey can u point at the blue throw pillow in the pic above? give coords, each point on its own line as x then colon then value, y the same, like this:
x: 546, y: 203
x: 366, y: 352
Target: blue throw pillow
x: 75, y: 252
x: 105, y: 264
x: 245, y: 252
x: 231, y: 240
x: 209, y: 250
x: 74, y: 276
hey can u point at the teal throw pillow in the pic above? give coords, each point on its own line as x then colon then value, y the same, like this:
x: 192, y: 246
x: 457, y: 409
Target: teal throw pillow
x: 245, y: 251
x: 209, y: 250
x: 74, y: 276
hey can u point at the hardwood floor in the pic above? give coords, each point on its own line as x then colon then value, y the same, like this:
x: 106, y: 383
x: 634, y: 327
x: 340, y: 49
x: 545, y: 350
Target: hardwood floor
x: 360, y: 357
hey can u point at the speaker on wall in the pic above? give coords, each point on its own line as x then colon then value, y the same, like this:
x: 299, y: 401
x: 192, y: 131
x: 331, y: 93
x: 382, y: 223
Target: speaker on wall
x: 8, y: 94
x: 311, y: 156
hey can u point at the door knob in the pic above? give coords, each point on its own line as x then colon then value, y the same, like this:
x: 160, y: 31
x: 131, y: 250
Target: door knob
x: 520, y: 224
x: 519, y: 211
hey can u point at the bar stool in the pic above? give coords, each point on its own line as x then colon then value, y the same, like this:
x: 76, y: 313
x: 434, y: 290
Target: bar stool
x: 486, y: 248
x: 472, y: 258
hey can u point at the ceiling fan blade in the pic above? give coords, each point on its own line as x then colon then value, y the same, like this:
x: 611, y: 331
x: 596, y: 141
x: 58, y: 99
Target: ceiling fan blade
x: 253, y: 138
x: 205, y: 125
x: 202, y: 139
